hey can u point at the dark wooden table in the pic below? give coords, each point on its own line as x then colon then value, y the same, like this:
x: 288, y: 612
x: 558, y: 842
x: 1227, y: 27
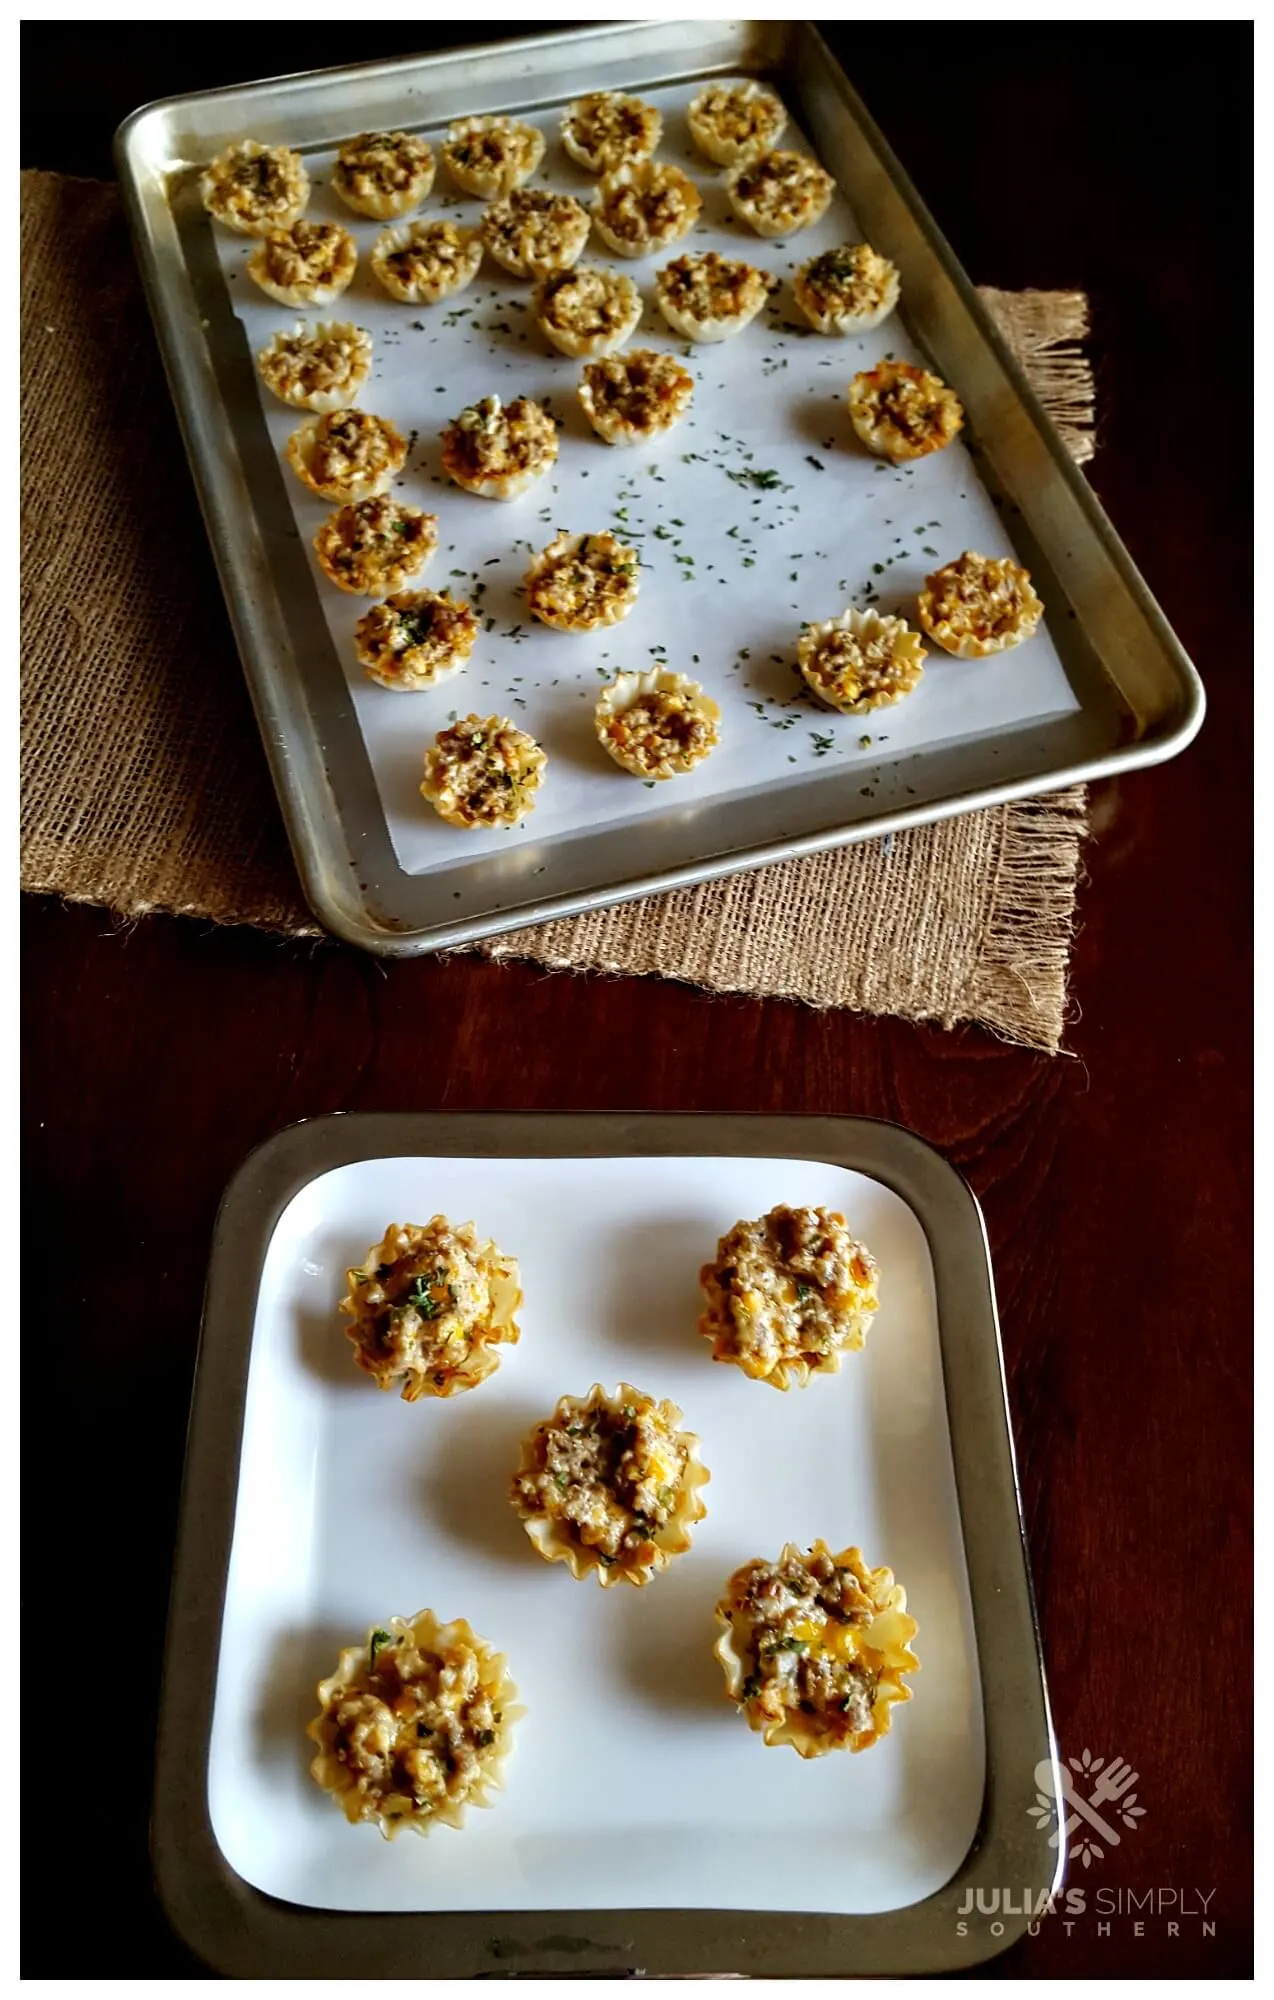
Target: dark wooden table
x: 1116, y: 1184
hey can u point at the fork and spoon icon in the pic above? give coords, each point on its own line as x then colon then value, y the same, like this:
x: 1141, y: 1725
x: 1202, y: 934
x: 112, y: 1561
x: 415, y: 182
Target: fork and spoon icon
x: 1112, y: 1784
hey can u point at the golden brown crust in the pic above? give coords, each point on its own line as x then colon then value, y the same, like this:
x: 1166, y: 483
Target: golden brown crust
x: 319, y: 367
x: 657, y: 724
x: 422, y: 263
x: 780, y: 193
x: 642, y: 208
x: 253, y: 188
x: 708, y: 296
x: 492, y: 156
x: 789, y: 1295
x: 346, y: 455
x: 902, y: 412
x: 847, y: 290
x: 483, y: 772
x: 607, y: 129
x: 498, y: 449
x: 628, y: 398
x: 588, y: 310
x: 733, y: 123
x: 415, y: 640
x: 383, y: 174
x: 861, y: 660
x: 374, y: 546
x: 429, y: 1307
x: 582, y: 582
x: 306, y: 264
x: 978, y: 605
x: 535, y: 233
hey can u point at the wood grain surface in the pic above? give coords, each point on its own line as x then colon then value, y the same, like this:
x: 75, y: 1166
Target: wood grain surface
x: 1116, y: 1184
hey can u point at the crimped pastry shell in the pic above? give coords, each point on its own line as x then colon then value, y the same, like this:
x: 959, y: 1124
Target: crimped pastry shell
x: 318, y: 293
x: 504, y: 1281
x: 425, y: 291
x: 502, y: 485
x: 491, y: 183
x: 633, y: 150
x: 646, y: 176
x: 903, y: 674
x: 320, y: 400
x: 612, y: 424
x: 725, y: 152
x: 833, y: 321
x: 618, y: 602
x: 581, y: 346
x: 818, y: 191
x: 967, y: 646
x: 627, y: 689
x: 211, y: 190
x: 300, y: 446
x: 427, y: 673
x: 388, y: 206
x: 692, y: 327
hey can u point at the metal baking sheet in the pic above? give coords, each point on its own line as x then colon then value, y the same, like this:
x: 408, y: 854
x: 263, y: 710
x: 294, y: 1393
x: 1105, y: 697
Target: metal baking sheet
x: 259, y: 1874
x: 730, y: 567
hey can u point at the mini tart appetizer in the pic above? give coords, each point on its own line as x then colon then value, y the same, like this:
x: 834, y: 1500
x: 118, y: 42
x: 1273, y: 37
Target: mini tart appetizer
x: 254, y: 188
x: 645, y: 207
x: 902, y: 412
x: 319, y: 367
x: 814, y: 1649
x: 347, y: 455
x: 498, y: 450
x: 847, y: 290
x: 788, y: 1296
x: 606, y: 130
x: 492, y: 156
x: 628, y: 398
x: 429, y: 1306
x: 734, y: 123
x: 780, y: 193
x: 610, y: 1485
x: 861, y: 660
x: 374, y: 546
x: 708, y: 296
x: 422, y: 263
x: 307, y: 264
x: 383, y: 174
x: 657, y: 724
x: 535, y: 233
x: 581, y: 582
x: 414, y: 1726
x: 978, y: 605
x: 587, y: 312
x: 415, y: 640
x: 483, y: 771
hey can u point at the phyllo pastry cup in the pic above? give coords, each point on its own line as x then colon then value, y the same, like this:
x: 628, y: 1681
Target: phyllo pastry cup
x: 847, y: 290
x: 535, y: 233
x: 657, y: 724
x: 371, y: 547
x: 319, y: 367
x: 587, y: 311
x: 708, y: 296
x: 608, y: 129
x: 780, y: 192
x: 978, y: 605
x: 582, y: 582
x: 861, y: 660
x: 423, y: 263
x: 498, y: 449
x: 645, y: 207
x: 415, y: 1726
x: 629, y: 398
x: 734, y: 123
x: 483, y: 772
x: 347, y: 455
x: 430, y: 1306
x: 610, y: 1485
x: 789, y: 1295
x: 903, y: 412
x: 815, y: 1648
x: 255, y: 188
x: 416, y: 639
x: 492, y: 156
x: 306, y: 264
x: 383, y: 174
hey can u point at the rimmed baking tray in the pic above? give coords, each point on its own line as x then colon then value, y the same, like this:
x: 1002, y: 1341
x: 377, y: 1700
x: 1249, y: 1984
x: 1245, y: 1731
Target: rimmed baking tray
x: 643, y: 1829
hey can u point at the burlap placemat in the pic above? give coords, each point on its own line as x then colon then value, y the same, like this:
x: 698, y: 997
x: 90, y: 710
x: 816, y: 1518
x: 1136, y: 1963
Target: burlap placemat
x: 145, y: 788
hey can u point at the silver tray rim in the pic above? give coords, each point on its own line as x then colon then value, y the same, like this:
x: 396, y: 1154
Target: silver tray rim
x: 323, y: 847
x: 242, y: 1933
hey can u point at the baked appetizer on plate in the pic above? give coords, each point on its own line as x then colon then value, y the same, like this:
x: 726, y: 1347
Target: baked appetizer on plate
x: 492, y: 156
x: 319, y: 367
x: 607, y: 129
x: 371, y: 547
x: 415, y: 640
x: 733, y: 123
x: 815, y: 1647
x: 708, y: 296
x: 860, y: 660
x: 587, y: 311
x: 423, y: 263
x: 642, y: 208
x: 789, y: 1295
x: 629, y: 398
x: 255, y: 188
x: 847, y: 290
x: 903, y: 412
x: 429, y: 1307
x: 582, y: 582
x: 610, y: 1485
x: 535, y: 233
x: 499, y: 449
x: 306, y: 264
x: 347, y: 455
x: 780, y: 193
x: 978, y: 605
x: 657, y: 724
x: 483, y: 772
x: 415, y: 1725
x: 383, y: 174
